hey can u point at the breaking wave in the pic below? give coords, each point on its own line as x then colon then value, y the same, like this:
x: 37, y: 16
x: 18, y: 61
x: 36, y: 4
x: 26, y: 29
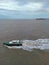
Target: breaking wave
x: 29, y: 45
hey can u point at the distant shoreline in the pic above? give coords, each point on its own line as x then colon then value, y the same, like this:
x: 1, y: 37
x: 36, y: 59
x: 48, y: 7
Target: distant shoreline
x: 42, y: 18
x: 28, y: 19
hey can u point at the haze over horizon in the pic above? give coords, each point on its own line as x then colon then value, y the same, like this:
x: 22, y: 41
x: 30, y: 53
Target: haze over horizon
x: 24, y: 9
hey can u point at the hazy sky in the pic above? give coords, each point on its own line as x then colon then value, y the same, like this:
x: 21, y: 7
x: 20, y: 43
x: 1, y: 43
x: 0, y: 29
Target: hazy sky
x: 24, y: 8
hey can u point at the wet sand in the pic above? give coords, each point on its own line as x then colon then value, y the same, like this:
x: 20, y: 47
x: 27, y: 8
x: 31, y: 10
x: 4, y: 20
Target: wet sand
x: 23, y: 29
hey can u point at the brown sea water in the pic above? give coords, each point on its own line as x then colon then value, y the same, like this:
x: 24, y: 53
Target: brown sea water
x: 23, y: 29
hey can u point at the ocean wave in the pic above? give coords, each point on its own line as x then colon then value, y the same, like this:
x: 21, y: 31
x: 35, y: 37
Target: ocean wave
x: 29, y: 45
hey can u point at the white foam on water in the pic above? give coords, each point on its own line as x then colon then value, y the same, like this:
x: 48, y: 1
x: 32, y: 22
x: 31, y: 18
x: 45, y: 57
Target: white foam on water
x: 29, y: 45
x: 14, y: 47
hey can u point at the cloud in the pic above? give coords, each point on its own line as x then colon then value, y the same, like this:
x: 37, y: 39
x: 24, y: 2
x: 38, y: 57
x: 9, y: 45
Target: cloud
x: 47, y: 9
x: 9, y: 5
x: 30, y: 6
x: 22, y: 9
x: 25, y: 7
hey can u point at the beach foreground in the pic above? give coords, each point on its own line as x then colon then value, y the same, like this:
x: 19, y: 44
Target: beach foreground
x: 22, y: 57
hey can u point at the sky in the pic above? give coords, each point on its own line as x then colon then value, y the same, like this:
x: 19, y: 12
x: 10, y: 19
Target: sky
x: 24, y: 9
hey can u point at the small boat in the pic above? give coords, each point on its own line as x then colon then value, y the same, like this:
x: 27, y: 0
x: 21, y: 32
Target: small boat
x: 13, y: 43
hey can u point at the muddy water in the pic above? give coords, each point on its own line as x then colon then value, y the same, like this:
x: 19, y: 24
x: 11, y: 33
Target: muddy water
x: 23, y: 29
